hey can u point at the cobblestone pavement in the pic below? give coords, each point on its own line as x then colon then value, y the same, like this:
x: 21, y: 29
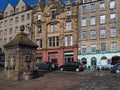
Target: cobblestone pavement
x: 99, y: 81
x: 57, y: 80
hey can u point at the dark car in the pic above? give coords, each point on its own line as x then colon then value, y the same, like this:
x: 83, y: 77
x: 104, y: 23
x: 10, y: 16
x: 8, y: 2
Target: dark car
x: 45, y: 66
x: 116, y: 68
x: 72, y: 66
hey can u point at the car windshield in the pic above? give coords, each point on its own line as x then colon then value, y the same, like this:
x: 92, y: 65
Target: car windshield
x: 73, y: 63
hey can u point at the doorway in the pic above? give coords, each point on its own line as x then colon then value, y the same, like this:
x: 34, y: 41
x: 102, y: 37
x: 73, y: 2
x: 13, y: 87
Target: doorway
x: 93, y: 63
x: 115, y: 60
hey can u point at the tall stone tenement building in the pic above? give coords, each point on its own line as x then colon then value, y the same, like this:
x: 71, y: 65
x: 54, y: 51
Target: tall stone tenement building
x: 99, y: 32
x: 11, y: 19
x: 55, y: 27
x: 87, y: 31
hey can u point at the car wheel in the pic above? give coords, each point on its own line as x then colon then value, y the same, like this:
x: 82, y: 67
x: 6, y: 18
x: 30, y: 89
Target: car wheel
x: 77, y: 70
x: 61, y: 69
x: 117, y: 71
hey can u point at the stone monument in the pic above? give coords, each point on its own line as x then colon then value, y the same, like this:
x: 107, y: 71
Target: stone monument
x: 19, y: 57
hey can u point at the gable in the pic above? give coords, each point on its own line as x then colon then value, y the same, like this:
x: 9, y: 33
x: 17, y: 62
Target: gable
x: 21, y: 4
x: 8, y: 9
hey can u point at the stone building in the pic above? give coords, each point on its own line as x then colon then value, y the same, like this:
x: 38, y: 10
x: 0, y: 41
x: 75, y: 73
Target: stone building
x: 55, y: 27
x: 11, y: 19
x: 99, y: 32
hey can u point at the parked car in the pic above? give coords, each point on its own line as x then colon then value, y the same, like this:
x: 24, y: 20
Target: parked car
x: 45, y: 66
x: 104, y: 67
x: 116, y: 68
x: 72, y: 66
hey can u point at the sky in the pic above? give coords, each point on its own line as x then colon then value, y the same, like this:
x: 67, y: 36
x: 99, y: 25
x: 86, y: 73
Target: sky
x: 4, y: 3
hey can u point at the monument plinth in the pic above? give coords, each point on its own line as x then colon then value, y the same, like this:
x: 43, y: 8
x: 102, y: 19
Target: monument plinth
x: 19, y: 57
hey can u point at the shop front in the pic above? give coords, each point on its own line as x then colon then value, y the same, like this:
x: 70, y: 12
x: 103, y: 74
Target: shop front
x: 94, y: 60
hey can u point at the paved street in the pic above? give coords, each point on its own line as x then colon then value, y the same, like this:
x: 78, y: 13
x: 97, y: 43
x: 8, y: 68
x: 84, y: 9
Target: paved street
x: 57, y: 80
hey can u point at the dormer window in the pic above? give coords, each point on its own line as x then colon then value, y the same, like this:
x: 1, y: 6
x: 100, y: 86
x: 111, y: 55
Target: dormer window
x: 17, y: 10
x: 11, y: 12
x: 53, y: 15
x: 68, y: 12
x: 22, y: 8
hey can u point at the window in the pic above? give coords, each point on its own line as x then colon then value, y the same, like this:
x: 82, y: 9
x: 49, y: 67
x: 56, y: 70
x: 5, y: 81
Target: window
x: 10, y: 38
x: 17, y: 10
x: 92, y: 20
x: 68, y: 40
x: 39, y: 29
x: 112, y: 17
x: 1, y: 34
x: 84, y: 22
x: 68, y: 25
x: 86, y: 1
x: 5, y: 23
x: 112, y: 4
x: 39, y: 17
x: 53, y: 15
x: 92, y: 8
x: 10, y: 31
x: 103, y: 46
x: 102, y: 5
x: 5, y: 40
x: 113, y: 46
x: 5, y: 32
x: 102, y: 19
x: 93, y: 48
x: 28, y: 16
x: 84, y: 49
x: 11, y: 12
x: 22, y: 8
x: 83, y: 36
x: 28, y: 28
x: 102, y: 33
x: 16, y: 20
x: 11, y: 22
x: 93, y: 34
x: 53, y: 41
x: 68, y: 12
x: 39, y: 43
x: 113, y: 32
x: 53, y: 27
x: 1, y: 40
x: 1, y: 24
x: 22, y: 18
x: 84, y: 9
x: 16, y: 29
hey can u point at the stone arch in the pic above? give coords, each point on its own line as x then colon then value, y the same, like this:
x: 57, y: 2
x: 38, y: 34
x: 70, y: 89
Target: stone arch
x: 104, y: 60
x: 84, y: 61
x: 115, y: 59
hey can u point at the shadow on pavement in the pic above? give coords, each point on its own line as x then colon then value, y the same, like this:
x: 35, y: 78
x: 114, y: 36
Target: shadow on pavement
x: 41, y: 73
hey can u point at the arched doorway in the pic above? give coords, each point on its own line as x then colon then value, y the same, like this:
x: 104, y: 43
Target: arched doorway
x: 93, y: 63
x: 104, y: 60
x: 115, y: 59
x: 84, y: 62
